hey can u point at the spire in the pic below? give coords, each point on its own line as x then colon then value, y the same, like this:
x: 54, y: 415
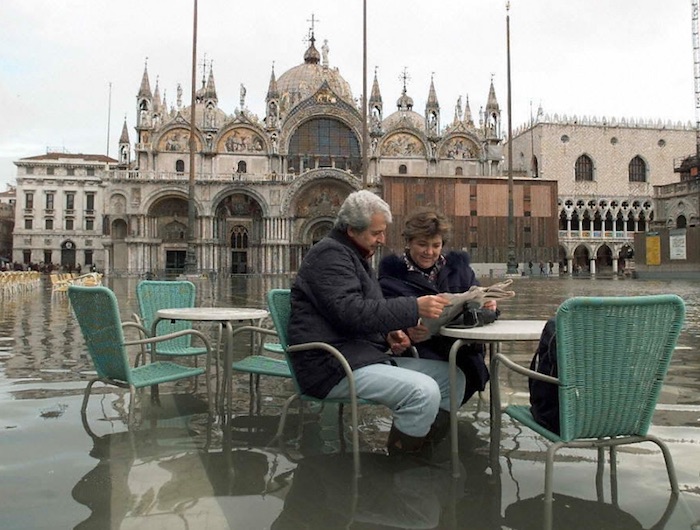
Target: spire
x: 432, y: 111
x: 375, y: 97
x: 145, y: 89
x: 124, y: 138
x: 210, y: 91
x: 272, y: 91
x: 492, y: 114
x: 468, y: 113
x: 156, y: 96
x: 432, y: 102
x: 124, y: 147
x: 492, y: 102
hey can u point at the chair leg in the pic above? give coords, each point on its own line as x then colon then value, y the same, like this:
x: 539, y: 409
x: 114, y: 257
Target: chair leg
x: 86, y: 395
x: 132, y: 399
x: 283, y: 417
x: 670, y: 468
x: 549, y: 471
x: 548, y: 479
x: 341, y: 433
x: 355, y: 436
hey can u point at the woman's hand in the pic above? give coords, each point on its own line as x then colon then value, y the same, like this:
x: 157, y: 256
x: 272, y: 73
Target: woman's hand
x: 418, y: 333
x: 398, y: 341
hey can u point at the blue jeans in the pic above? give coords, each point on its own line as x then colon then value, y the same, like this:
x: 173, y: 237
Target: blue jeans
x: 414, y: 390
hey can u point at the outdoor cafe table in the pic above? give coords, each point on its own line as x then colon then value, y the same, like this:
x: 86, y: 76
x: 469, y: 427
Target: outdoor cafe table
x: 491, y: 334
x: 226, y: 316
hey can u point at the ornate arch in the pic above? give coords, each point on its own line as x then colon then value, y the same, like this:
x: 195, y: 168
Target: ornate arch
x: 250, y: 192
x: 313, y: 176
x: 311, y: 109
x: 307, y: 229
x: 168, y: 192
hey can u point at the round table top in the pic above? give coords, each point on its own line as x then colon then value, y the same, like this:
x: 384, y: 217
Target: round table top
x: 501, y: 330
x: 212, y: 313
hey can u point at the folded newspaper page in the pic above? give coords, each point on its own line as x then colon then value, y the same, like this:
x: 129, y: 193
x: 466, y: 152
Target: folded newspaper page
x: 475, y: 294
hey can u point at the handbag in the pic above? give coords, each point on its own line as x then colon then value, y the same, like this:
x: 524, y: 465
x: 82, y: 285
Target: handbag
x: 475, y: 316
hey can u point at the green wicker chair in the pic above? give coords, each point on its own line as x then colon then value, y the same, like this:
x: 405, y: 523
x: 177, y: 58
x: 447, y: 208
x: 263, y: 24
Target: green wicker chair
x: 261, y: 364
x: 613, y: 354
x: 97, y: 312
x: 278, y: 301
x: 153, y: 295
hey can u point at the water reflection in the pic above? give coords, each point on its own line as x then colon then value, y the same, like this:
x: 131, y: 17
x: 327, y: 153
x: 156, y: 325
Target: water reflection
x: 173, y: 471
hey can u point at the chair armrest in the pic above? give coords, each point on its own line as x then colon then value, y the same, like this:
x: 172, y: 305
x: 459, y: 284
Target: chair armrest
x: 162, y: 338
x: 137, y: 325
x: 255, y: 329
x: 499, y: 357
x: 335, y: 353
x: 141, y: 356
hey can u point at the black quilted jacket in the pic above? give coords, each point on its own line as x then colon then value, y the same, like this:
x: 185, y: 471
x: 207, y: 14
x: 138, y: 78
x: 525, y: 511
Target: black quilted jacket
x: 337, y: 299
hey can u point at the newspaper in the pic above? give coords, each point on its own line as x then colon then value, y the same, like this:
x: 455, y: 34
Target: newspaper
x: 475, y: 294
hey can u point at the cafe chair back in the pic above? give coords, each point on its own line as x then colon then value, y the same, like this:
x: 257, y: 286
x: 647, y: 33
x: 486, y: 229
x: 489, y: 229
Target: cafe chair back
x: 613, y: 354
x: 153, y: 295
x: 279, y: 305
x: 97, y: 312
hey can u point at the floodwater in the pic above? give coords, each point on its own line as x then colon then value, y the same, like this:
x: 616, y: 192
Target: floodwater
x: 171, y: 471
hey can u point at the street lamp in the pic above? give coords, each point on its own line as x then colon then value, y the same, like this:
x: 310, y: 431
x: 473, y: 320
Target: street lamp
x: 191, y: 255
x: 512, y: 265
x: 365, y: 129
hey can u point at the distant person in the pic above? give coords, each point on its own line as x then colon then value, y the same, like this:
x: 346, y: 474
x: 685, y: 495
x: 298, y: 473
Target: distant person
x: 336, y: 298
x: 529, y: 266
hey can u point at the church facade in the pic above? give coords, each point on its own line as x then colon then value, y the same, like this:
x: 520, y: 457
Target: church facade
x: 267, y: 188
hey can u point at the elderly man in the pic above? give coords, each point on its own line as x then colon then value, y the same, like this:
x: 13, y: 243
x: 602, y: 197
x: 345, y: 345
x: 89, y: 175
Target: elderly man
x: 337, y: 299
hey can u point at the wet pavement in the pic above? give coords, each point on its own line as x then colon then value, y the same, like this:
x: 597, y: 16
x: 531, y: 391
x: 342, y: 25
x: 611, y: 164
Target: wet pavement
x: 57, y: 471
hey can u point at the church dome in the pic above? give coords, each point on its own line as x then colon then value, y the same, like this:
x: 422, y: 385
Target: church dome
x: 302, y: 81
x: 404, y: 118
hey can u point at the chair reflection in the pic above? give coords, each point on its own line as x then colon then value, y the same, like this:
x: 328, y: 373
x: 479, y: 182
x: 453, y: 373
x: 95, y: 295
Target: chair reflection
x: 167, y: 475
x: 571, y: 512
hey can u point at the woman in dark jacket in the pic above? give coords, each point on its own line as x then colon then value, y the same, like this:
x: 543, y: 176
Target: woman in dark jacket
x: 425, y: 269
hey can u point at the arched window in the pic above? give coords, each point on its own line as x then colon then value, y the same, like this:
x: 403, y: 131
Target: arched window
x: 242, y: 167
x: 583, y: 170
x: 180, y: 166
x: 535, y: 167
x: 681, y: 221
x: 403, y: 170
x: 638, y: 170
x: 459, y: 170
x: 239, y: 237
x: 324, y: 142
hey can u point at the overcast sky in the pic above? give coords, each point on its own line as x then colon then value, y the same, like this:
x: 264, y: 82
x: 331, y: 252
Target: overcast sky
x: 614, y: 58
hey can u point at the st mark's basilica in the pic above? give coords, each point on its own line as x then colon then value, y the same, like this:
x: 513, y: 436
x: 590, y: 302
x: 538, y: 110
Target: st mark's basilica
x: 268, y: 188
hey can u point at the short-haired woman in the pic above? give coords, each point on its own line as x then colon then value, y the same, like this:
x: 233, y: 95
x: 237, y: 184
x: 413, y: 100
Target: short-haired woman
x: 424, y: 268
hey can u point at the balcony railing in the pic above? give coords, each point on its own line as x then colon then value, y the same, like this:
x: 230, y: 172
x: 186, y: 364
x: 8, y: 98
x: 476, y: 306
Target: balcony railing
x: 607, y: 235
x: 202, y: 177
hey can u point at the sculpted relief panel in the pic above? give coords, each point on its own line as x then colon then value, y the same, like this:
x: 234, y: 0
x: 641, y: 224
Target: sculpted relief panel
x: 402, y: 144
x: 177, y: 140
x: 241, y: 140
x: 320, y: 200
x: 459, y: 148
